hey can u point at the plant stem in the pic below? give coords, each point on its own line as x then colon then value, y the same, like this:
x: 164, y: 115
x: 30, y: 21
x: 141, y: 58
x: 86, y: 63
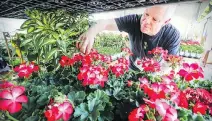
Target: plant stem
x: 10, y: 117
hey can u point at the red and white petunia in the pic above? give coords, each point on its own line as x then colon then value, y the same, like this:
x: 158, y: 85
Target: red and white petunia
x: 200, y: 108
x: 65, y: 111
x: 129, y: 83
x: 180, y: 99
x: 150, y: 65
x: 11, y: 99
x: 138, y: 113
x: 59, y: 111
x: 25, y: 70
x: 159, y: 52
x: 93, y: 75
x: 191, y: 71
x: 6, y: 84
x: 52, y: 113
x: 166, y: 111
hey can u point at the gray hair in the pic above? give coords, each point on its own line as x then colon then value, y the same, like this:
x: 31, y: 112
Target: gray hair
x: 170, y: 10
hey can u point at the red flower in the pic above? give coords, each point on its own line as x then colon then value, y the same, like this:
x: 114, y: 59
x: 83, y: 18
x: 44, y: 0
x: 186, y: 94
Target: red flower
x: 210, y: 110
x: 143, y: 81
x: 33, y: 67
x: 59, y: 111
x: 199, y: 107
x: 171, y: 115
x: 195, y: 95
x: 12, y: 99
x: 6, y: 84
x: 129, y: 83
x: 180, y: 99
x: 158, y: 91
x: 51, y: 114
x: 66, y: 61
x: 65, y: 111
x: 158, y: 52
x: 191, y: 71
x: 150, y: 102
x: 150, y: 65
x: 138, y: 113
x: 93, y: 75
x: 118, y: 69
x: 25, y: 70
x: 166, y: 111
x: 127, y: 50
x: 174, y: 59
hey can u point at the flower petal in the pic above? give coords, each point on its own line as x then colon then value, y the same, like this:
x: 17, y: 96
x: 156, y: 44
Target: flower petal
x: 22, y: 99
x: 182, y: 72
x: 6, y: 95
x: 4, y: 104
x: 188, y: 77
x: 186, y: 66
x: 161, y: 107
x: 14, y: 107
x: 17, y: 91
x: 66, y: 116
x: 194, y: 66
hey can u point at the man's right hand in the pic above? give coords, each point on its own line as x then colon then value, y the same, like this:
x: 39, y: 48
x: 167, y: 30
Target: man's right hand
x: 86, y: 43
x: 87, y: 38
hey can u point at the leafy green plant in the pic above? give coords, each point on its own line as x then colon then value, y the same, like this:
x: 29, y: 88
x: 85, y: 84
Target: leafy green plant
x: 192, y: 48
x: 109, y: 43
x: 50, y: 34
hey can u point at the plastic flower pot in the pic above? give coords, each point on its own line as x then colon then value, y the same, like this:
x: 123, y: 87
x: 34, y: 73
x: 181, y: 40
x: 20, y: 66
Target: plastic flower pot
x: 193, y: 55
x: 181, y: 53
x: 187, y: 53
x: 198, y: 55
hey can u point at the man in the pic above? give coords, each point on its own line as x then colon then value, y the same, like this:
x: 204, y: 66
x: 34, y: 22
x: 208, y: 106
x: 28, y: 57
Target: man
x: 145, y: 33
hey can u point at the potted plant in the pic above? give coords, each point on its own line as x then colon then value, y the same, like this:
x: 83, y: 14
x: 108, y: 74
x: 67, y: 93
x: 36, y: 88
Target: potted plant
x: 199, y: 51
x: 187, y: 51
x: 182, y: 50
x: 192, y: 51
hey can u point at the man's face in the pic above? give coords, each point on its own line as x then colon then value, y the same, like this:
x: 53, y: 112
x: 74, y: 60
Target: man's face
x: 153, y: 20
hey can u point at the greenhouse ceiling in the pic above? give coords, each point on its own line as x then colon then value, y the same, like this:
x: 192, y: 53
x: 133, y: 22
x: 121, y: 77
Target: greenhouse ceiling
x: 16, y: 8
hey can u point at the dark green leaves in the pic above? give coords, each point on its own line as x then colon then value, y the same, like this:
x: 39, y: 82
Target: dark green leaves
x: 77, y: 97
x: 94, y: 109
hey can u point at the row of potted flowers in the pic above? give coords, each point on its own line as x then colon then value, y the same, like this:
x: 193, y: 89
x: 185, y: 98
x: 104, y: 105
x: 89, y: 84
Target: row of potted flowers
x: 167, y: 98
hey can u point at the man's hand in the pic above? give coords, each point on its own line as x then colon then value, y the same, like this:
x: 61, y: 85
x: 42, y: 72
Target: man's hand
x: 87, y: 38
x: 86, y: 44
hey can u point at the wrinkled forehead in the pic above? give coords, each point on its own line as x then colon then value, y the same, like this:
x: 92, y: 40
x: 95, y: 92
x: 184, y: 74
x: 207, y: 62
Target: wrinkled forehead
x: 158, y: 11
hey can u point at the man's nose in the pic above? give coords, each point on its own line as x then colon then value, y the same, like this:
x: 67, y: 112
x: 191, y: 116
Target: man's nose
x: 148, y: 20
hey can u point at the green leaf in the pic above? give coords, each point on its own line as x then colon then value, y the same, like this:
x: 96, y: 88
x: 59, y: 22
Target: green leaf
x: 26, y: 24
x: 91, y: 104
x: 48, y: 42
x: 100, y: 95
x: 81, y: 111
x: 50, y: 54
x: 44, y: 20
x: 77, y: 97
x: 32, y: 118
x: 31, y: 104
x: 39, y: 22
x: 30, y: 29
x: 58, y: 25
x: 25, y: 42
x: 42, y: 100
x: 55, y: 35
x: 199, y: 118
x: 32, y: 56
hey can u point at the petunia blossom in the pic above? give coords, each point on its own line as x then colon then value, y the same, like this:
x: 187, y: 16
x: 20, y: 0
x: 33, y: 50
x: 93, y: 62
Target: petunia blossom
x: 11, y: 99
x: 191, y: 71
